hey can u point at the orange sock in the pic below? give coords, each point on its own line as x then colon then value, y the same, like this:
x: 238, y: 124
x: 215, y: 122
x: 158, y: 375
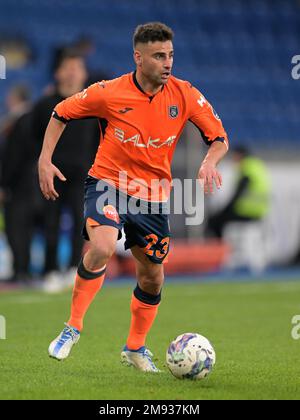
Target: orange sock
x: 144, y: 308
x: 87, y: 284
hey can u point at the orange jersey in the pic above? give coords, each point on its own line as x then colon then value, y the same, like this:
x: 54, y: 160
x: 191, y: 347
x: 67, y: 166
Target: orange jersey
x: 141, y: 131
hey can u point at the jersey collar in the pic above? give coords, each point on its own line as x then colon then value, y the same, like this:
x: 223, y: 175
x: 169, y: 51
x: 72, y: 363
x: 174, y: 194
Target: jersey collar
x: 140, y: 87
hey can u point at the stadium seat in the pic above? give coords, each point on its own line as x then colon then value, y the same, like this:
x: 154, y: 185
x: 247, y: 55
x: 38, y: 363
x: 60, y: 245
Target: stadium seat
x: 248, y: 67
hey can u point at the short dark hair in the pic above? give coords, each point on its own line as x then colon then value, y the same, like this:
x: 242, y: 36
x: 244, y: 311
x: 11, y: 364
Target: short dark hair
x: 152, y: 32
x: 65, y: 54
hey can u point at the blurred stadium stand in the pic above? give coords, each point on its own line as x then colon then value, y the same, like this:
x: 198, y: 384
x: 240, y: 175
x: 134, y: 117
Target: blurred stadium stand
x: 238, y: 53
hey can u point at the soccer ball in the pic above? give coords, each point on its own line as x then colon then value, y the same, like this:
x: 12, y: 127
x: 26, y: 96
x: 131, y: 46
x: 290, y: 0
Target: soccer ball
x: 190, y: 356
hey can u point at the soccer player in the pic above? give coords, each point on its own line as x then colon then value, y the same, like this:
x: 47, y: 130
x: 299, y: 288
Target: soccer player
x: 142, y: 115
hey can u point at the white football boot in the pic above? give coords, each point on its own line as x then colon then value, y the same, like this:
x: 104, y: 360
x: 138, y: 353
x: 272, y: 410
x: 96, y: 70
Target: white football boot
x: 61, y: 347
x: 141, y: 359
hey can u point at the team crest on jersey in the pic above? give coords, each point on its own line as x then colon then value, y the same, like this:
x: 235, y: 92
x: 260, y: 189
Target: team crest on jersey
x: 173, y: 111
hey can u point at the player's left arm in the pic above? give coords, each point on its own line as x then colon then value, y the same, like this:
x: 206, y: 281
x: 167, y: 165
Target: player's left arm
x: 204, y: 117
x: 208, y: 173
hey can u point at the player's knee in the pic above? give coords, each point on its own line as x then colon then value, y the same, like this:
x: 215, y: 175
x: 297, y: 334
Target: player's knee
x: 104, y: 251
x: 151, y: 282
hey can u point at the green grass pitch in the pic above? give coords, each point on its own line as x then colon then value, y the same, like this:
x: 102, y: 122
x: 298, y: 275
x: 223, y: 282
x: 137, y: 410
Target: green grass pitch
x: 249, y: 325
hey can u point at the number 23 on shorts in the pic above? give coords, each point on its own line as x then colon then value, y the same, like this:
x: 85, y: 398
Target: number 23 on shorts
x: 152, y: 241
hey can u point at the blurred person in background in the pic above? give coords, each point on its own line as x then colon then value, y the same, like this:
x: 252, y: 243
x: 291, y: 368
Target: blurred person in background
x: 74, y: 154
x: 17, y: 103
x: 251, y: 198
x: 17, y: 175
x: 17, y: 51
x: 84, y: 46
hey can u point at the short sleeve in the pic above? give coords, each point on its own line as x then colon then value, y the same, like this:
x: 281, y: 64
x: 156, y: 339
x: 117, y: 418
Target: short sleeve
x: 90, y: 102
x: 205, y: 118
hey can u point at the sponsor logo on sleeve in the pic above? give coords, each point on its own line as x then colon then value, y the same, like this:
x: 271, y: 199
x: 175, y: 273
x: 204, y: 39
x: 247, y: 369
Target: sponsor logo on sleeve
x: 215, y: 114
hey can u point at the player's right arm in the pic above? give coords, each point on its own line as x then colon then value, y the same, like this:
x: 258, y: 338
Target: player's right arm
x: 86, y: 104
x: 48, y: 171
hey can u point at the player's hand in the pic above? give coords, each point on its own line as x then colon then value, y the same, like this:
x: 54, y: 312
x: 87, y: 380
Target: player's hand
x: 208, y: 176
x: 47, y: 173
